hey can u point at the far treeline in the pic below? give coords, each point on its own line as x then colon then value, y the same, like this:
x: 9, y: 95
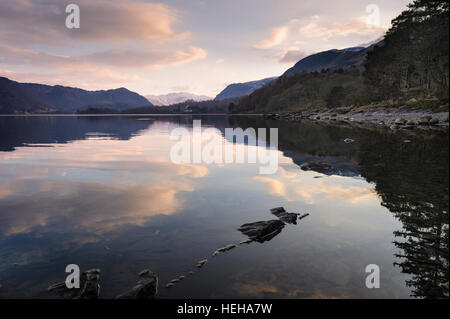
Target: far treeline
x: 409, y: 68
x: 188, y: 107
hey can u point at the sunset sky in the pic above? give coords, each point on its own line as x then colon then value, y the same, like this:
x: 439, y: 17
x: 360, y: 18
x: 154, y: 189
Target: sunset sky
x: 197, y: 46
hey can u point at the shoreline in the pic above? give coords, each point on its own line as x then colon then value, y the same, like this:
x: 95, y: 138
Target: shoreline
x: 395, y: 119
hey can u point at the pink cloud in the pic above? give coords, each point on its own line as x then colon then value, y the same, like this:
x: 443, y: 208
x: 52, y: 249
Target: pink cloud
x: 102, y: 20
x: 277, y: 36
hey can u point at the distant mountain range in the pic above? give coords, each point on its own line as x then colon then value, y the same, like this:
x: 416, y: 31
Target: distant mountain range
x: 18, y: 97
x: 331, y: 59
x: 175, y: 98
x: 37, y: 98
x: 238, y: 90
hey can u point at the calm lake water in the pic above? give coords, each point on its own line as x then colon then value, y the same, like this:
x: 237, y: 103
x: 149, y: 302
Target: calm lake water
x: 101, y: 192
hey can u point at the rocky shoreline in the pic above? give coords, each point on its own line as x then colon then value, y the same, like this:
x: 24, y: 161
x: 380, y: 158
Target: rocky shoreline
x: 394, y: 119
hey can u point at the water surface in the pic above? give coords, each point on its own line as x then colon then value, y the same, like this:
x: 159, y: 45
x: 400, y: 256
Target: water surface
x: 101, y: 192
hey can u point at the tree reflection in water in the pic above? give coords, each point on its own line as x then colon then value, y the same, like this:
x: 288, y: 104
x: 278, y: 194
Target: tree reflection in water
x: 410, y: 171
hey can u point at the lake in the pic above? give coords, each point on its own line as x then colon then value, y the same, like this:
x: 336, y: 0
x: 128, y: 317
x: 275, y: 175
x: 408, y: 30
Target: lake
x: 102, y: 192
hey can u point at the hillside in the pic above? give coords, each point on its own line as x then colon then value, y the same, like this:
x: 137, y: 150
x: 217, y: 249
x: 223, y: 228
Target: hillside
x: 19, y: 98
x: 238, y: 90
x: 332, y: 59
x: 410, y: 64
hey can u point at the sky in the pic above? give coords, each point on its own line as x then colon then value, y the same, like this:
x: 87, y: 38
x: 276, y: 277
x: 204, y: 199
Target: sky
x: 196, y: 46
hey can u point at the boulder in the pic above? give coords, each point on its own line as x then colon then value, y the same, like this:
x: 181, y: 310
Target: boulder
x: 89, y: 287
x: 146, y: 287
x: 223, y: 249
x: 290, y: 218
x: 400, y: 121
x: 263, y: 230
x: 320, y: 167
x: 434, y: 121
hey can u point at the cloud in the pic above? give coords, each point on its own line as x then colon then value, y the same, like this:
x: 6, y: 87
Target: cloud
x: 92, y: 79
x: 102, y: 20
x: 290, y: 56
x: 275, y: 186
x: 277, y: 36
x: 149, y: 58
x: 122, y: 204
x: 315, y: 29
x: 112, y: 58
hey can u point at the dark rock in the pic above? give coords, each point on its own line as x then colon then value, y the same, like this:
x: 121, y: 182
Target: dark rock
x: 201, y: 263
x: 320, y: 167
x: 248, y: 241
x: 223, y: 249
x: 434, y: 121
x: 303, y: 216
x: 349, y: 140
x: 262, y: 231
x: 290, y: 218
x: 89, y: 287
x: 400, y: 120
x: 146, y: 287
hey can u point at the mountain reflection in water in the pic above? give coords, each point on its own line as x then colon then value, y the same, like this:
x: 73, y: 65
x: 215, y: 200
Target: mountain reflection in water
x: 101, y: 192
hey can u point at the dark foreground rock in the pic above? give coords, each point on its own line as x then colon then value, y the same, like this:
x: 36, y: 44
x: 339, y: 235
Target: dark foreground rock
x: 146, y: 287
x: 89, y: 287
x: 262, y: 231
x: 283, y: 215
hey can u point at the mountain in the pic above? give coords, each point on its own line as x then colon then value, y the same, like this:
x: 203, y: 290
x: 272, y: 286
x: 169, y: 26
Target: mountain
x: 175, y: 98
x: 238, y: 90
x: 331, y: 59
x: 18, y: 97
x: 408, y: 68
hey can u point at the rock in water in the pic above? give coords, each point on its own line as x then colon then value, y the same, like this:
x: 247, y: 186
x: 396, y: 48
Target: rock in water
x: 146, y: 287
x: 303, y: 216
x: 262, y: 231
x: 201, y: 263
x: 226, y: 248
x: 290, y: 218
x: 320, y: 167
x: 89, y: 287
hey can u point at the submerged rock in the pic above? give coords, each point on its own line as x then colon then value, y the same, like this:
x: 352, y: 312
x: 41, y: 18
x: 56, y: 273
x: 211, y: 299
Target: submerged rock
x: 146, y: 287
x: 320, y: 167
x: 303, y: 216
x: 201, y: 263
x: 223, y: 249
x: 290, y: 218
x: 89, y: 287
x: 262, y: 231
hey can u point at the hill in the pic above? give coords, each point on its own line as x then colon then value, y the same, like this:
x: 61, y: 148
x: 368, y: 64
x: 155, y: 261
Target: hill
x: 332, y: 59
x: 19, y: 98
x: 410, y: 64
x: 238, y: 90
